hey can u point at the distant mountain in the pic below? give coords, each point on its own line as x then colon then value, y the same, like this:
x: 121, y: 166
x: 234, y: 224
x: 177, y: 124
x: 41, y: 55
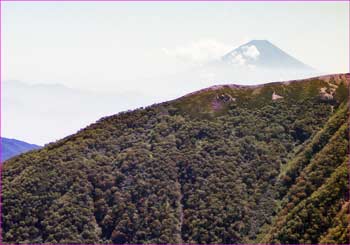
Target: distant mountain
x: 47, y: 112
x: 264, y: 164
x: 61, y: 111
x: 13, y: 147
x: 255, y: 62
x: 264, y: 54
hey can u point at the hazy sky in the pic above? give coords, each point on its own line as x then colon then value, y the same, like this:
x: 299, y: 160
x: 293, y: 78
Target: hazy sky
x: 112, y: 46
x: 142, y: 53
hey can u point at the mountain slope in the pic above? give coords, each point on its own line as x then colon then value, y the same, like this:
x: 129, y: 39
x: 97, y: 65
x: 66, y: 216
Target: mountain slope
x: 320, y: 188
x: 12, y: 147
x: 255, y: 62
x: 227, y: 164
x: 264, y: 54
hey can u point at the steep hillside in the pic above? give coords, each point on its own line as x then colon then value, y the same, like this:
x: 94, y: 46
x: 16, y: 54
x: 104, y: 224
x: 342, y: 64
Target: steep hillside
x: 227, y: 164
x: 13, y: 147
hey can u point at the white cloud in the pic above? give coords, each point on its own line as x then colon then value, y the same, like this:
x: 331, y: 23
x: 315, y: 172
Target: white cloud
x: 201, y: 51
x: 251, y: 52
x: 242, y: 57
x: 237, y: 59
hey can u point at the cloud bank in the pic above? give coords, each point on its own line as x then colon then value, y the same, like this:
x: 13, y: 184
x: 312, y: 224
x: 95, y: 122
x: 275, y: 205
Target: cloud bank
x: 201, y: 51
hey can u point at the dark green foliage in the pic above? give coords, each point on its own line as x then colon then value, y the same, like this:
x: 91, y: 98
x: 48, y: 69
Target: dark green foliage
x: 312, y: 217
x: 311, y: 148
x: 187, y: 172
x: 339, y: 231
x: 310, y: 205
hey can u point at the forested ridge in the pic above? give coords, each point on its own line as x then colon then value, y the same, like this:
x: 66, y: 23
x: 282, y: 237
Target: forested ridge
x: 227, y: 164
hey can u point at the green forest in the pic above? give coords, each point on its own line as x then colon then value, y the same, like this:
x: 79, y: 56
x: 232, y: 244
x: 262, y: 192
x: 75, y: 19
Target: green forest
x: 228, y: 164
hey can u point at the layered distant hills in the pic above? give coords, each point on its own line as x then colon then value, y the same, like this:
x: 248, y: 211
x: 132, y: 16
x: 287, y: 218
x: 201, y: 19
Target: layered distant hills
x: 13, y: 147
x: 61, y: 110
x: 43, y: 113
x: 226, y: 164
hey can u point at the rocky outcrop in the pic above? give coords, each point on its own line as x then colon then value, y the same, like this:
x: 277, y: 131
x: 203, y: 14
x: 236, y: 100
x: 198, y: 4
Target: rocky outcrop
x: 276, y: 96
x: 221, y: 99
x: 225, y: 98
x: 326, y: 94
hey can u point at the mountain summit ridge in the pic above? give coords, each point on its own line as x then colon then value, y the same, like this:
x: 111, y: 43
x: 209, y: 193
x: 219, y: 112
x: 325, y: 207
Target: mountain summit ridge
x: 337, y: 77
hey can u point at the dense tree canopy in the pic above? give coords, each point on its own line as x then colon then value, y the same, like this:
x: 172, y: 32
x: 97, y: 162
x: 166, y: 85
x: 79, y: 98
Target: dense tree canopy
x: 225, y: 165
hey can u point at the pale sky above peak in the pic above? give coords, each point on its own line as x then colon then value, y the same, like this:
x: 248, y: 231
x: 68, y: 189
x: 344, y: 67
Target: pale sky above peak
x: 101, y: 45
x: 106, y: 57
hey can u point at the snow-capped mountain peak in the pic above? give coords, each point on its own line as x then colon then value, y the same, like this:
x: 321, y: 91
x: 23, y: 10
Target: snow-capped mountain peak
x: 263, y: 54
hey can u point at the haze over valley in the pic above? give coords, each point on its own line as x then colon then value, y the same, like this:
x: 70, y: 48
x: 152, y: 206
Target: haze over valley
x: 66, y: 110
x: 84, y: 62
